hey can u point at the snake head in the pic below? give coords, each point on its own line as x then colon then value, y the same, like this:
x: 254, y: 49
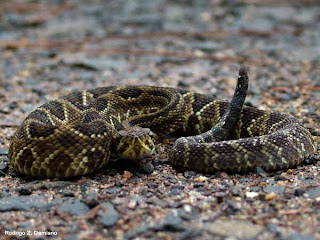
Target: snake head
x: 135, y: 143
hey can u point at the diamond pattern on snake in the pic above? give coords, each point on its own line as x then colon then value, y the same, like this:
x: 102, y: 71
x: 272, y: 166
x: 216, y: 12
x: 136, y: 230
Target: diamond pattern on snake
x: 74, y: 135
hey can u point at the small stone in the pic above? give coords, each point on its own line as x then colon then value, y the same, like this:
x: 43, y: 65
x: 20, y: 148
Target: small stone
x: 132, y: 204
x: 127, y: 175
x: 25, y: 225
x: 190, y: 233
x: 148, y: 167
x: 236, y: 228
x: 172, y: 223
x: 232, y: 205
x: 280, y: 178
x: 66, y: 193
x: 261, y: 172
x: 113, y: 190
x: 198, y: 185
x: 252, y: 194
x: 120, y: 183
x: 27, y: 108
x: 274, y: 228
x: 4, y: 164
x: 182, y: 84
x: 244, y: 180
x: 22, y: 203
x: 255, y: 189
x: 24, y: 191
x: 270, y: 196
x: 309, y: 161
x: 220, y: 197
x: 159, y: 161
x: 201, y: 179
x: 235, y: 191
x: 175, y: 190
x: 74, y: 207
x: 108, y: 215
x: 313, y: 192
x: 274, y: 189
x: 171, y: 204
x: 91, y: 199
x: 4, y: 151
x: 188, y: 174
x: 5, y: 192
x: 299, y: 192
x: 226, y: 182
x: 71, y: 237
x: 298, y: 236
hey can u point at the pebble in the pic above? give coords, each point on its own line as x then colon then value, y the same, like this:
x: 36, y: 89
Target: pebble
x: 270, y: 196
x: 189, y: 234
x: 113, y: 190
x: 24, y: 191
x: 299, y: 192
x: 172, y: 222
x: 313, y: 192
x: 67, y: 193
x: 148, y: 167
x: 108, y: 215
x: 220, y: 197
x: 4, y: 151
x: 27, y: 108
x: 298, y: 236
x: 198, y: 185
x: 159, y: 161
x: 309, y: 161
x: 71, y: 237
x: 188, y: 174
x: 22, y: 203
x: 274, y: 189
x: 252, y: 194
x: 280, y: 178
x: 4, y: 161
x: 235, y: 191
x: 91, y: 199
x: 274, y: 228
x: 236, y: 228
x: 2, y: 173
x: 261, y: 172
x: 232, y: 205
x: 74, y: 207
x: 255, y: 189
x: 244, y: 180
x: 27, y: 224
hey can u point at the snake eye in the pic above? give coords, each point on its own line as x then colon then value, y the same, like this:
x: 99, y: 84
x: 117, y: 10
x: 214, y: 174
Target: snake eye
x: 150, y: 133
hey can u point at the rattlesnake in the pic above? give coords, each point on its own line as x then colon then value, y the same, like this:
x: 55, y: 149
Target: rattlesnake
x: 75, y: 134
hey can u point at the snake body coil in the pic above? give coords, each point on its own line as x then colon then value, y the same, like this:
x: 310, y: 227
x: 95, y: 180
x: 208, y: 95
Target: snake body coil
x: 75, y: 134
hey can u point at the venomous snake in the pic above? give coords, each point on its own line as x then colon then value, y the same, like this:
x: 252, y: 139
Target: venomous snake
x: 75, y: 134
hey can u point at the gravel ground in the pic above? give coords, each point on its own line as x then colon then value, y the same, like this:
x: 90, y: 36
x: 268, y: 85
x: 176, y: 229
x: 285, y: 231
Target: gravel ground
x: 49, y: 48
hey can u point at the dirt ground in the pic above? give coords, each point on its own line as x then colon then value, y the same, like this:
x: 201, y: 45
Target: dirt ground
x: 49, y: 48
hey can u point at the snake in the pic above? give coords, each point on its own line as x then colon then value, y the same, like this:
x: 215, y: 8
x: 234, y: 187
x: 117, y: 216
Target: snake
x: 76, y: 134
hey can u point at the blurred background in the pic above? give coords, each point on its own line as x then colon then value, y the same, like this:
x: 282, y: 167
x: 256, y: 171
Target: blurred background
x: 48, y: 48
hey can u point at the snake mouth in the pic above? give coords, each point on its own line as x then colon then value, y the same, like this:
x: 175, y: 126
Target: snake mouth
x: 136, y: 144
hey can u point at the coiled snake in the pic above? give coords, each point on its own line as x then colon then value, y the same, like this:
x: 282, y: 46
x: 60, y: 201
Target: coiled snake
x: 75, y: 134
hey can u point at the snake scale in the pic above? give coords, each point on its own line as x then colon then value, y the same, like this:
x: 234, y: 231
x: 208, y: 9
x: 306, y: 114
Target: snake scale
x: 74, y: 135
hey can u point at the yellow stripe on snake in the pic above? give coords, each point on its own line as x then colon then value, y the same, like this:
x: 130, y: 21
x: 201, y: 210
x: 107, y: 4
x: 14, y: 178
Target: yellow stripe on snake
x: 75, y: 134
